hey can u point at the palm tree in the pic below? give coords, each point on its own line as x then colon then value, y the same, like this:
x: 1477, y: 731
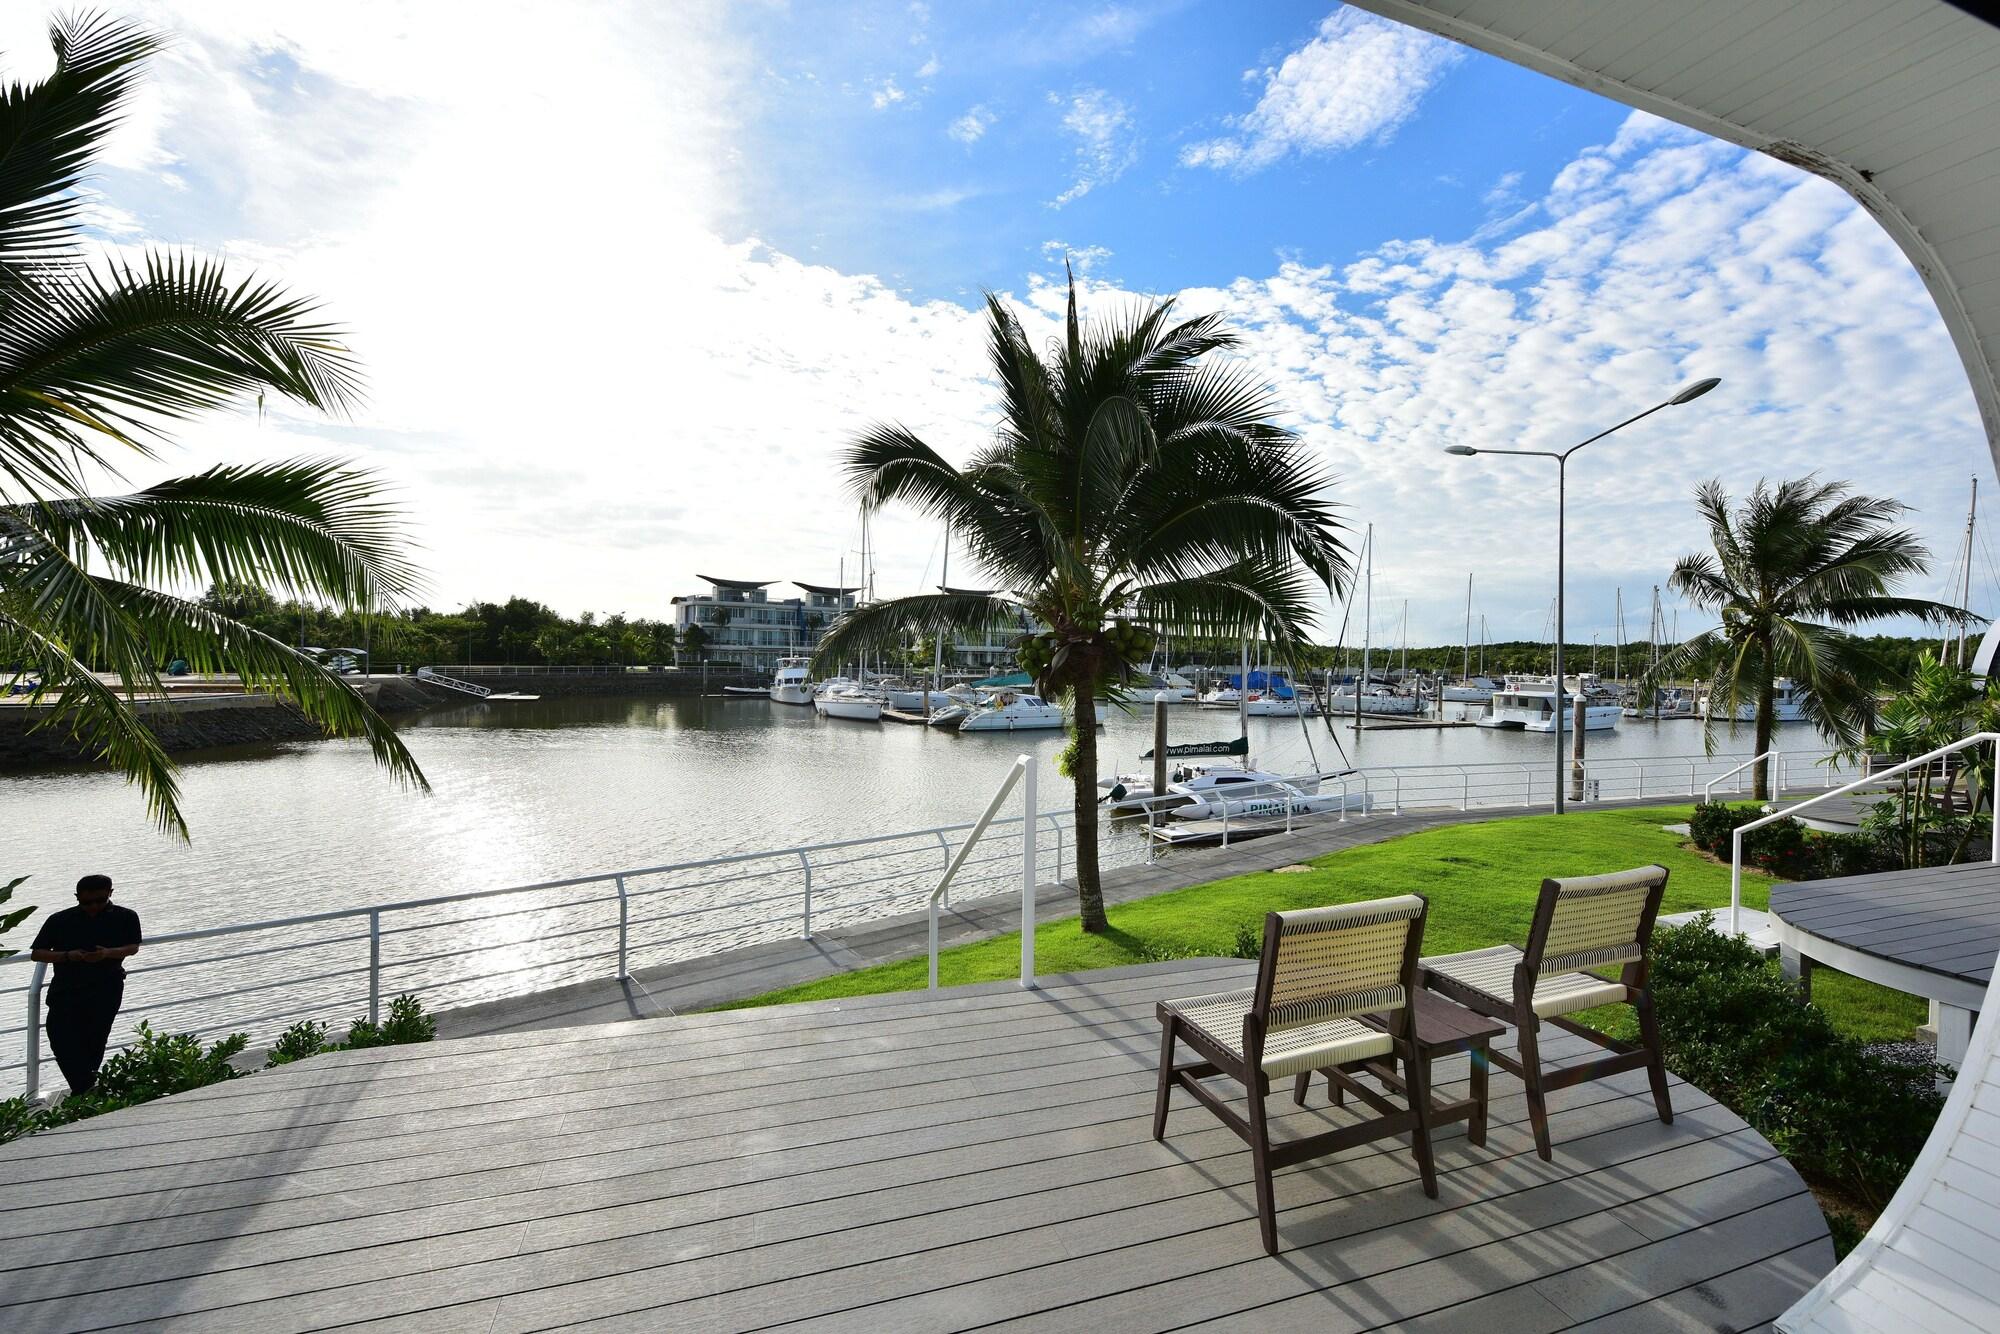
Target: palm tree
x: 100, y: 357
x: 1130, y: 475
x: 1793, y: 566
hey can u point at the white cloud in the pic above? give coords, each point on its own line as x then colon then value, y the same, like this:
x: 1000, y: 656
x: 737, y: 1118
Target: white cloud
x: 930, y: 68
x: 1107, y: 140
x: 1081, y: 258
x: 1353, y: 83
x: 972, y: 126
x: 885, y: 95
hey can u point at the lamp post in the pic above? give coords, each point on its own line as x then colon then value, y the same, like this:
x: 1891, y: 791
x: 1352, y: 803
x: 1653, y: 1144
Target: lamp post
x: 1687, y: 395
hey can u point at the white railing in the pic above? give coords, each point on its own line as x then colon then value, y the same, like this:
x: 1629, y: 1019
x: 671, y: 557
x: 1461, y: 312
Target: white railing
x: 1777, y: 760
x: 486, y: 945
x: 1022, y: 765
x: 493, y: 944
x: 1866, y: 780
x: 438, y: 678
x: 1367, y: 792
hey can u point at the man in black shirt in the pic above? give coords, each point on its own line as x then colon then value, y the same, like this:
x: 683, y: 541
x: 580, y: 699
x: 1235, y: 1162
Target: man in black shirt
x: 88, y: 944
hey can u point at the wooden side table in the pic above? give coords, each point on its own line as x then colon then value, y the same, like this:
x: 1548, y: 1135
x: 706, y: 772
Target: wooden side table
x: 1444, y: 1028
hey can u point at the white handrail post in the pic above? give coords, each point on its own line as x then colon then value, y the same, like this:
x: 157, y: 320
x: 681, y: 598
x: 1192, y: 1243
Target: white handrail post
x: 1399, y: 792
x: 945, y: 844
x: 1777, y: 774
x: 1028, y: 877
x: 624, y: 928
x: 805, y: 864
x: 374, y: 965
x: 1465, y: 789
x: 1288, y: 812
x: 1225, y: 820
x: 1690, y: 778
x: 1152, y: 833
x: 1993, y: 806
x: 1736, y: 883
x: 1055, y: 823
x: 33, y: 1037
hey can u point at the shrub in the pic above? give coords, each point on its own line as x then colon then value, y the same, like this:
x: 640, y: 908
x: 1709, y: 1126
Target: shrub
x: 407, y: 1022
x: 1782, y: 849
x: 1250, y: 941
x: 18, y: 1117
x: 152, y: 1067
x: 303, y: 1039
x: 1713, y: 822
x: 1734, y: 1026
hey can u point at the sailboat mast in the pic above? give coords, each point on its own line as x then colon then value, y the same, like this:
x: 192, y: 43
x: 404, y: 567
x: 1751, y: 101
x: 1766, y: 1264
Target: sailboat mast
x: 1406, y: 640
x: 1367, y: 625
x: 1465, y: 664
x: 1618, y: 643
x: 1965, y: 588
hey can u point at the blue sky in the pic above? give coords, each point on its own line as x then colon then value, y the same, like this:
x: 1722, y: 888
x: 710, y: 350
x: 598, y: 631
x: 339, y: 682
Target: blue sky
x: 627, y: 276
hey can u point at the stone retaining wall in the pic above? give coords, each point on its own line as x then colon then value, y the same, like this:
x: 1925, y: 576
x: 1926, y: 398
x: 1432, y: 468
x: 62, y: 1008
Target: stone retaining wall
x: 687, y: 681
x: 184, y: 724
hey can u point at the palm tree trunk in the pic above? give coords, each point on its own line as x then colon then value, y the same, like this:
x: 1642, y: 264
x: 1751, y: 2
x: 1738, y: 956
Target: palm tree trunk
x: 1089, y: 891
x: 1767, y: 707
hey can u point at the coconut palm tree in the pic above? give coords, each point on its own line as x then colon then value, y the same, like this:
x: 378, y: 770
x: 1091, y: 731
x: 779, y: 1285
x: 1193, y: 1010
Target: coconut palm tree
x: 1133, y: 477
x: 1793, y: 566
x: 99, y: 357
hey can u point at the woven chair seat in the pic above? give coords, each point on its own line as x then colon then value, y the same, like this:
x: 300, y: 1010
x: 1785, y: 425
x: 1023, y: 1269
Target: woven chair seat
x: 1292, y: 1050
x: 1491, y: 970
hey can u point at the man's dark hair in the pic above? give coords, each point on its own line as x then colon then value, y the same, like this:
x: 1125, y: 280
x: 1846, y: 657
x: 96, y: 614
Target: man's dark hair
x: 94, y: 884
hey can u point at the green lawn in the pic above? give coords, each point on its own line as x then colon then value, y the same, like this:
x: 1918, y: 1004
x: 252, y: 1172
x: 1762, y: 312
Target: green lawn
x: 1481, y: 879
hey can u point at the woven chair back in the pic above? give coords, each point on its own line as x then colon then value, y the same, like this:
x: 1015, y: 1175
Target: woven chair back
x: 1336, y: 962
x: 1593, y: 921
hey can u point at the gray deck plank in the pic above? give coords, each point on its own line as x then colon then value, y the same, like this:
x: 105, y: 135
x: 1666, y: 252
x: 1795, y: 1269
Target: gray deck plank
x: 1944, y: 920
x: 654, y: 1190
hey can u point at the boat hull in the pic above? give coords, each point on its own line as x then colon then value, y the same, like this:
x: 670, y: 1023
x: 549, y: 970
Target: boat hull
x: 858, y: 710
x: 1596, y: 718
x: 1377, y: 705
x: 789, y: 694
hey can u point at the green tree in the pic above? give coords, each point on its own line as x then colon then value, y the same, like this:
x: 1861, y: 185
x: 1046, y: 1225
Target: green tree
x: 694, y: 639
x: 102, y: 355
x: 1129, y: 469
x: 1793, y: 566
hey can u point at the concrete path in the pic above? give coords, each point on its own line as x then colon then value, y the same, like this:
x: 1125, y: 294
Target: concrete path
x: 732, y: 975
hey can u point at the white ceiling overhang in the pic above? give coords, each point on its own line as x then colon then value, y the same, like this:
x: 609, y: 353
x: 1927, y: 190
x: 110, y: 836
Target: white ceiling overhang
x: 1896, y: 100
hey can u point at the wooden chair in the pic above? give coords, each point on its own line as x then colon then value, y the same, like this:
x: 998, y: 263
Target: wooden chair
x: 1321, y: 969
x: 1581, y: 923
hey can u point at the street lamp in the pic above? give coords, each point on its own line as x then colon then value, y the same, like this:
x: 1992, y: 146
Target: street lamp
x: 1687, y: 395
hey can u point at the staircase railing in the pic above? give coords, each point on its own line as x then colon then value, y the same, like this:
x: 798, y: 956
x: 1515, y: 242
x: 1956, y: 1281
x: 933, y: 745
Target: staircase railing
x: 1022, y: 767
x: 1870, y: 780
x: 436, y: 678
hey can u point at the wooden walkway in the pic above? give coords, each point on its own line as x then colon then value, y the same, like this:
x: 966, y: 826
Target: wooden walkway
x: 889, y: 1163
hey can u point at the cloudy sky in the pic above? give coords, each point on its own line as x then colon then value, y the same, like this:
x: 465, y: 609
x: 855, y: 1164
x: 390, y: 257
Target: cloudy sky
x: 627, y: 276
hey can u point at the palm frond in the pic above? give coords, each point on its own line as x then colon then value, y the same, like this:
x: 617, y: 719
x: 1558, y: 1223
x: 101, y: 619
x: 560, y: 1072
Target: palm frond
x: 50, y: 130
x: 305, y: 528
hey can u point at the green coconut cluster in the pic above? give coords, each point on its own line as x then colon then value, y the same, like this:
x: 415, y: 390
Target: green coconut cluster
x: 1118, y: 645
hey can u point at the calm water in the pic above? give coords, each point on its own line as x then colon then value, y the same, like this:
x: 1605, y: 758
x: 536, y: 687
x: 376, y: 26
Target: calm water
x: 524, y: 792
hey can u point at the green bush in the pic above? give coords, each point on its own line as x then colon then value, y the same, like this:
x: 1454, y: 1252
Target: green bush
x: 407, y: 1022
x: 1713, y: 822
x: 18, y: 1117
x: 1736, y: 1027
x: 1782, y: 849
x: 303, y: 1039
x: 156, y: 1065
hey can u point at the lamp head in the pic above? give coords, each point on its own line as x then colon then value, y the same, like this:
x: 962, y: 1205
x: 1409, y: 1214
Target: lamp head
x: 1463, y: 451
x: 1694, y: 391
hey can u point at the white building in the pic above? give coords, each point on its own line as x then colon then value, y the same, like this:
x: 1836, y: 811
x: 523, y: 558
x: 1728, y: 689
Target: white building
x: 746, y: 627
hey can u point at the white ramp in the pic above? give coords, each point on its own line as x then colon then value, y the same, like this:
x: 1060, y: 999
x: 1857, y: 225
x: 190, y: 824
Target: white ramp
x: 1929, y: 1261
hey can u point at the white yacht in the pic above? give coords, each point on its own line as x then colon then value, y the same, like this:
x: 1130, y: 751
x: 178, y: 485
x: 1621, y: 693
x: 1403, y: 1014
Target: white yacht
x: 1788, y: 705
x: 1251, y: 792
x: 1472, y: 690
x: 1374, y: 700
x: 1669, y: 702
x: 910, y: 700
x: 792, y: 684
x: 1011, y: 711
x: 1528, y: 704
x: 849, y: 701
x: 1264, y: 704
x: 1221, y: 697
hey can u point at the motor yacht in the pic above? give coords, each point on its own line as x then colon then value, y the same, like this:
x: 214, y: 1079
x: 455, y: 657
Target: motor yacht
x: 792, y: 683
x: 849, y: 701
x: 1013, y: 711
x: 1528, y: 704
x: 1788, y: 704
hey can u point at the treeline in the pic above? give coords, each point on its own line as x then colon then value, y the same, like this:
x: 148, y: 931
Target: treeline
x: 521, y: 630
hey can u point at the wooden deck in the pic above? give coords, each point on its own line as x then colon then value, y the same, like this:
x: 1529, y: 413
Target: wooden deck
x: 1938, y: 927
x: 891, y: 1163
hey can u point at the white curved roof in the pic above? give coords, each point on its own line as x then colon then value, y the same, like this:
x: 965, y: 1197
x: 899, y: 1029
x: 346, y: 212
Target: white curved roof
x: 1893, y: 99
